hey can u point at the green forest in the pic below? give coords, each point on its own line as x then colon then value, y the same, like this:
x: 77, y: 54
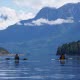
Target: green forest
x: 72, y: 48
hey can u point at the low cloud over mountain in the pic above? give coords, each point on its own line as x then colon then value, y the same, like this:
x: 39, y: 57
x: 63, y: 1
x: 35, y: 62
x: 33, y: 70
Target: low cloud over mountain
x: 42, y: 21
x: 10, y: 17
x: 45, y: 32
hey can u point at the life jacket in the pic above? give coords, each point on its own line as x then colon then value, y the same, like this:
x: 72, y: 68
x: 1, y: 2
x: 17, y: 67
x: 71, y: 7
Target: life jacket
x: 62, y: 57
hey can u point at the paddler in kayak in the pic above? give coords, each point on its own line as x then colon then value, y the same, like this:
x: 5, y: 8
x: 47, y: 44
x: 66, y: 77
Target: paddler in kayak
x: 62, y: 57
x: 16, y: 57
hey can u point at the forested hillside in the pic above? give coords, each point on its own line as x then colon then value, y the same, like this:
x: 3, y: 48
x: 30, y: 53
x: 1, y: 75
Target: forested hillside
x: 72, y: 48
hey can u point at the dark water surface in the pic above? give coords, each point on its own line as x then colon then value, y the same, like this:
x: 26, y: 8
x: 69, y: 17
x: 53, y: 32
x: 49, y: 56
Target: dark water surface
x: 40, y: 70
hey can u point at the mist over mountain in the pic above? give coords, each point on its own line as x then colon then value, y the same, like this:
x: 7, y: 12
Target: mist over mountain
x: 50, y: 28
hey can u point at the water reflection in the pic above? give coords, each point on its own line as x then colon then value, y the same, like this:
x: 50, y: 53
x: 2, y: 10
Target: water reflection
x: 40, y: 70
x: 16, y: 63
x: 7, y: 64
x: 62, y: 62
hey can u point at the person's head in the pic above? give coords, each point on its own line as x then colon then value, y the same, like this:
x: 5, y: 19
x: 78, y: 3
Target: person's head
x: 62, y: 54
x: 16, y: 54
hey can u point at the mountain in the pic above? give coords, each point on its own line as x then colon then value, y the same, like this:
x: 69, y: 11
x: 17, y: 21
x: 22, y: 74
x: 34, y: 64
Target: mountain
x: 47, y: 13
x: 50, y: 28
x: 71, y: 10
x: 68, y: 10
x: 28, y: 32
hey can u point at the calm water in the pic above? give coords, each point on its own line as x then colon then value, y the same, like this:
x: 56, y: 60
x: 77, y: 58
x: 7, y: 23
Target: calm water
x: 40, y: 70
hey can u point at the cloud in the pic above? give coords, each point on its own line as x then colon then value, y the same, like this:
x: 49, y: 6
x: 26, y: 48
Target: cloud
x: 45, y: 21
x: 10, y: 16
x: 25, y: 16
x: 34, y: 6
x: 38, y: 4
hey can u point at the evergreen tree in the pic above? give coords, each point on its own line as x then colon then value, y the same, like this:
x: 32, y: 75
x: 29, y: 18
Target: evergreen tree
x: 72, y: 48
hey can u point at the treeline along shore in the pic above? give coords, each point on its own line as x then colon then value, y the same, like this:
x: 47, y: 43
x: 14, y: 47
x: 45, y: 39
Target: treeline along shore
x: 72, y: 48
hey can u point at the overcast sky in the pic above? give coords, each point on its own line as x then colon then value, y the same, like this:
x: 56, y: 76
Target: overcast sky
x: 17, y: 10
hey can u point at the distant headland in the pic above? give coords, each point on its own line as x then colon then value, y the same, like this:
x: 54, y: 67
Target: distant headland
x: 72, y: 48
x: 3, y: 51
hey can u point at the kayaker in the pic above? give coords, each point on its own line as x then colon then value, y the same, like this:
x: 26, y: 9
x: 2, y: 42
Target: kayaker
x: 62, y: 57
x: 16, y: 57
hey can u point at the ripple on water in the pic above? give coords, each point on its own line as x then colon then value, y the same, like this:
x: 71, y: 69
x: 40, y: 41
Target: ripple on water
x: 55, y: 76
x: 62, y: 76
x: 35, y: 70
x: 31, y: 77
x: 40, y: 69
